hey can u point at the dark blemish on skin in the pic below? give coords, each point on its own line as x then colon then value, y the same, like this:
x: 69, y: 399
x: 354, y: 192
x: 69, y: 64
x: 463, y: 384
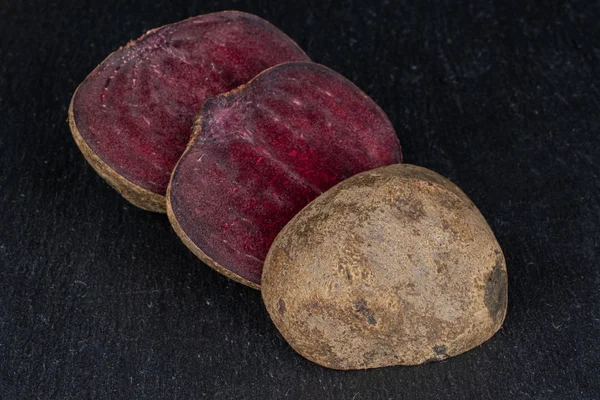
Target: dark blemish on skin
x: 495, y: 297
x: 411, y: 209
x: 440, y: 349
x: 344, y: 271
x: 281, y: 306
x: 371, y: 319
x: 361, y: 307
x: 439, y: 358
x: 445, y: 224
x: 441, y: 267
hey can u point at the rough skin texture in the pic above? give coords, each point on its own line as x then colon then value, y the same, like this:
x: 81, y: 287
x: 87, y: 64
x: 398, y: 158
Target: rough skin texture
x: 394, y: 266
x: 132, y: 116
x: 263, y: 152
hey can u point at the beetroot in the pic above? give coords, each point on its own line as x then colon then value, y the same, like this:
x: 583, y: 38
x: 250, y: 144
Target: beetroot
x: 262, y: 152
x: 132, y: 116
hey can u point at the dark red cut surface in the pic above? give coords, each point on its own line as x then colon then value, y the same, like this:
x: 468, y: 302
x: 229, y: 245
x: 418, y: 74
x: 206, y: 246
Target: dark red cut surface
x: 137, y: 108
x: 264, y: 152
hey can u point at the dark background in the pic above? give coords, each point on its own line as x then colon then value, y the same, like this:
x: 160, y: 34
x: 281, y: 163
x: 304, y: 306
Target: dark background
x: 101, y: 300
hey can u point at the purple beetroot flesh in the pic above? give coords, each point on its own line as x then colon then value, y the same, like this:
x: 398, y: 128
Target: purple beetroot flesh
x: 135, y: 111
x: 260, y: 154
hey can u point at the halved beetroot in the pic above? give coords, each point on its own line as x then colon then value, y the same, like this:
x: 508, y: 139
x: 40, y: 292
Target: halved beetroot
x: 132, y: 116
x: 262, y: 152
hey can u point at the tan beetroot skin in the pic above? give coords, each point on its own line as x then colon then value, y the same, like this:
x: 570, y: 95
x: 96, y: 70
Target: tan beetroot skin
x: 394, y: 266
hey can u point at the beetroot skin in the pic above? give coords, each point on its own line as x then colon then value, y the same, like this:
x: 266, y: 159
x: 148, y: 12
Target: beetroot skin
x: 260, y: 153
x: 132, y: 116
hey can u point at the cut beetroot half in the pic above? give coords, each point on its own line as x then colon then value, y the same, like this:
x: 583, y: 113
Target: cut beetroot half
x: 132, y: 116
x: 262, y: 152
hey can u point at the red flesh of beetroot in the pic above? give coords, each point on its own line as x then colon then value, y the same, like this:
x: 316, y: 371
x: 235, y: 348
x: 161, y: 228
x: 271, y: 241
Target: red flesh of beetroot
x: 136, y: 110
x: 264, y: 152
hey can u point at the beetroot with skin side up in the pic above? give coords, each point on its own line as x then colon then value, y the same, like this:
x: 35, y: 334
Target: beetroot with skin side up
x: 132, y: 116
x: 262, y: 152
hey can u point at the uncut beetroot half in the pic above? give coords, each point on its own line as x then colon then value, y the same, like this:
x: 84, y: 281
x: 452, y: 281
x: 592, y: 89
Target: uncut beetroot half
x: 260, y: 153
x: 132, y: 116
